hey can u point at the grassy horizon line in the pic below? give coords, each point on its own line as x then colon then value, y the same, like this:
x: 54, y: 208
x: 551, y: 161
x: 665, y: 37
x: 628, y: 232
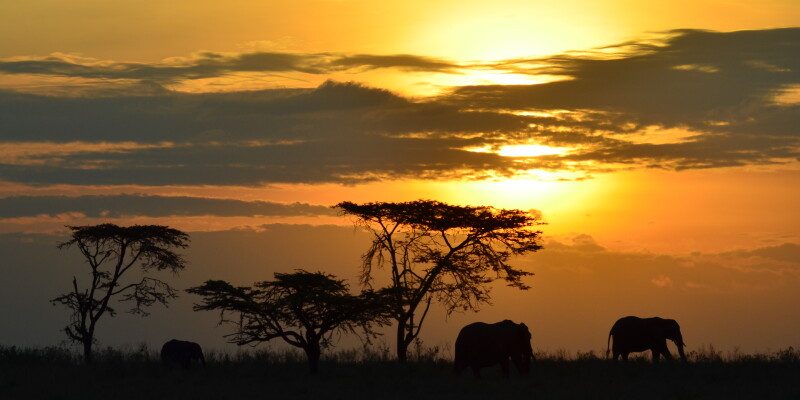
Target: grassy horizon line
x: 435, y: 354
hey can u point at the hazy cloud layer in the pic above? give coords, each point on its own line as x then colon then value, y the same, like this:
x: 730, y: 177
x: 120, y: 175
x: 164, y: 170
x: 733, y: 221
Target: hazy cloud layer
x: 116, y: 206
x: 726, y: 91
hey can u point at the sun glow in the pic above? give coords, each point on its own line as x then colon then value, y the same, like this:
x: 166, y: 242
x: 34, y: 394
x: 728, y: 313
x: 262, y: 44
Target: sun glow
x: 497, y: 77
x: 562, y: 202
x: 788, y: 96
x: 530, y: 150
x: 521, y: 150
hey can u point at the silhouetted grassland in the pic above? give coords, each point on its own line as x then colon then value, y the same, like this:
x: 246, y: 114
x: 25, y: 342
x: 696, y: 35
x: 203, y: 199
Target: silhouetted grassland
x: 57, y: 373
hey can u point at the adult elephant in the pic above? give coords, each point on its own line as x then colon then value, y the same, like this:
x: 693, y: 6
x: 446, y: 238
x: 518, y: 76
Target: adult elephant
x: 182, y: 352
x: 482, y: 345
x: 633, y: 334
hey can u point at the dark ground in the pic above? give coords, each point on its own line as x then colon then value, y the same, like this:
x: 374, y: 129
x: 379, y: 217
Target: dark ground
x: 58, y: 374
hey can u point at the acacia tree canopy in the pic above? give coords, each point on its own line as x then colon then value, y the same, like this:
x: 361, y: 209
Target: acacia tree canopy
x: 304, y: 309
x: 433, y: 250
x: 110, y: 252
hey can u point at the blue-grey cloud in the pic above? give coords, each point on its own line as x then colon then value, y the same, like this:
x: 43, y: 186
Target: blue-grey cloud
x: 344, y: 161
x: 330, y: 111
x: 115, y: 206
x: 721, y: 85
x: 334, y: 133
x: 695, y: 78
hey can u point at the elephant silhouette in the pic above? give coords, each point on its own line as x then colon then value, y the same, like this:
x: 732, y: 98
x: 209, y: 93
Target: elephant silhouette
x: 482, y: 345
x: 182, y: 353
x: 634, y: 334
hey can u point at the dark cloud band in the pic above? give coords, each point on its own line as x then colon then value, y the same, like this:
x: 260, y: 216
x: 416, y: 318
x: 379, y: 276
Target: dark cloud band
x: 207, y: 65
x: 115, y: 206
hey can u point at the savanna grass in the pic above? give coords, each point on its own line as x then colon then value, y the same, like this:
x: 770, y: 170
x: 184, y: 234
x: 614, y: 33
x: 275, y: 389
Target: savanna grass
x: 371, y: 373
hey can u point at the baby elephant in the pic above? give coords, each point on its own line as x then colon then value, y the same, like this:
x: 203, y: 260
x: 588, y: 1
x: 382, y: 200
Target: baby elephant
x: 182, y: 352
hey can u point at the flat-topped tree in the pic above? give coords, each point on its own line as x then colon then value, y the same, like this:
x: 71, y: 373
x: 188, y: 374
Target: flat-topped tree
x: 110, y: 252
x: 304, y: 309
x: 434, y: 250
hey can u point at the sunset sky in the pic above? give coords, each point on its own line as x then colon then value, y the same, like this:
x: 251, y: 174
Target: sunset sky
x: 660, y: 141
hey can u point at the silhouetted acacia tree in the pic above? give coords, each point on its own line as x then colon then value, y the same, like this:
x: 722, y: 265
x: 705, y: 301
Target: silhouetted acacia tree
x: 111, y: 251
x: 436, y: 250
x: 304, y: 309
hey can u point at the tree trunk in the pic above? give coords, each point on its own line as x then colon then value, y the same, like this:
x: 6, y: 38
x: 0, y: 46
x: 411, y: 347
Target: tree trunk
x: 87, y: 351
x: 313, y: 353
x: 402, y: 347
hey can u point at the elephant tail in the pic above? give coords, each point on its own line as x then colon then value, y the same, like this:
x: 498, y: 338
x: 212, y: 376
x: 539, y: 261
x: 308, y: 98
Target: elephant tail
x: 608, y: 343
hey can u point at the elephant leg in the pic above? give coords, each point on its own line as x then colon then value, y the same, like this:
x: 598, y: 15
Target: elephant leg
x: 656, y: 354
x: 476, y: 371
x: 661, y: 350
x: 504, y: 366
x: 624, y: 356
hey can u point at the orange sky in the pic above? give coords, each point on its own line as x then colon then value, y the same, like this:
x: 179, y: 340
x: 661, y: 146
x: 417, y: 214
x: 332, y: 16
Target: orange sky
x: 654, y: 130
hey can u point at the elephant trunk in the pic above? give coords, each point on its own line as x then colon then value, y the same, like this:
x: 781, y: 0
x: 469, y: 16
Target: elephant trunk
x: 680, y: 350
x: 680, y: 344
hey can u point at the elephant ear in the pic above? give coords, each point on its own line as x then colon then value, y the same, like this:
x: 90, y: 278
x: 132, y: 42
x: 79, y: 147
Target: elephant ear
x: 667, y: 328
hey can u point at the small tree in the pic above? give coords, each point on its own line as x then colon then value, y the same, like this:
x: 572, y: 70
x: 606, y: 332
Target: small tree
x: 111, y: 251
x: 436, y: 250
x: 304, y: 309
